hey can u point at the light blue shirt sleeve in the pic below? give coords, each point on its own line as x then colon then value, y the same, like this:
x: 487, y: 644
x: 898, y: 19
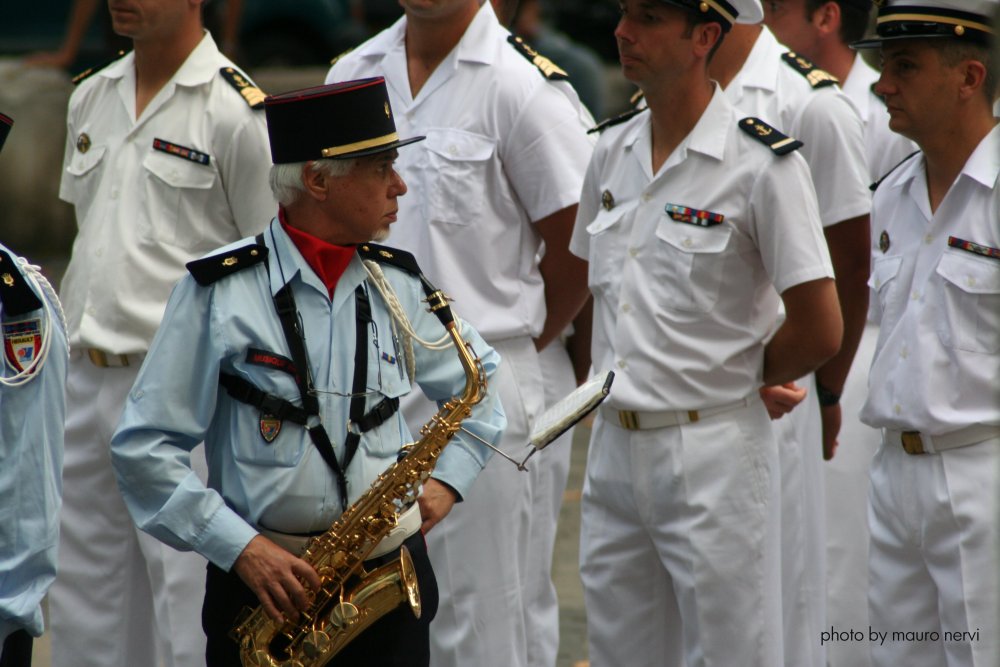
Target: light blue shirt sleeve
x: 31, y: 452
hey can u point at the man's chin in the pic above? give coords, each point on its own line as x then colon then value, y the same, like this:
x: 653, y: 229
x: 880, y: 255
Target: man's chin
x: 381, y: 235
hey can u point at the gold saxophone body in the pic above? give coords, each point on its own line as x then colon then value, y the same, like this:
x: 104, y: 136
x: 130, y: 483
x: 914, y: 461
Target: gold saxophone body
x: 351, y: 599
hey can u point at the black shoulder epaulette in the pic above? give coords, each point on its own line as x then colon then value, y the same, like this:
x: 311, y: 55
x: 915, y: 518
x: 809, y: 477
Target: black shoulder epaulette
x: 253, y: 95
x: 87, y: 73
x: 334, y: 61
x: 770, y: 137
x: 210, y: 269
x: 548, y: 68
x: 16, y: 295
x: 617, y: 120
x: 816, y: 77
x: 874, y: 186
x: 383, y: 254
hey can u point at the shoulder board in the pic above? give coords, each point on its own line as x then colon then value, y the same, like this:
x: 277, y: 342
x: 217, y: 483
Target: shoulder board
x: 211, y: 269
x: 16, y: 295
x: 874, y: 186
x: 548, y: 68
x: 383, y: 254
x: 334, y: 61
x: 87, y: 73
x: 617, y: 120
x: 253, y: 95
x: 770, y: 137
x: 816, y: 77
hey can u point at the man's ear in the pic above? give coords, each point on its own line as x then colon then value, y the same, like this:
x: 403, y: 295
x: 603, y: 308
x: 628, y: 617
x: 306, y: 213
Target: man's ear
x: 827, y: 18
x: 314, y: 181
x: 973, y: 78
x: 706, y: 37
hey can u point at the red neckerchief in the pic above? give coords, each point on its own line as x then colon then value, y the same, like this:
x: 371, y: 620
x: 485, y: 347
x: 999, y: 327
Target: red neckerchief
x: 329, y: 261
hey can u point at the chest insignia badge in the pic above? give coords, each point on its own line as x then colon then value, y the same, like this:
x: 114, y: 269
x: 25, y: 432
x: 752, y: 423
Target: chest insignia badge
x: 270, y: 427
x: 883, y: 242
x: 83, y: 142
x: 22, y: 341
x: 607, y: 200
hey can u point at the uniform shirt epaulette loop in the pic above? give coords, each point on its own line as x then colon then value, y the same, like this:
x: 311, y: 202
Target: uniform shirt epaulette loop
x: 87, y: 73
x: 549, y: 69
x: 874, y: 186
x: 211, y: 269
x: 16, y: 295
x: 816, y: 77
x: 770, y: 137
x: 253, y: 95
x: 386, y: 255
x: 334, y: 61
x: 617, y: 120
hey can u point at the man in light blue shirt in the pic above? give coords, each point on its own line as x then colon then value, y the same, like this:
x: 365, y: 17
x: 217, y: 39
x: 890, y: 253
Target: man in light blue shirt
x: 32, y: 408
x: 299, y: 411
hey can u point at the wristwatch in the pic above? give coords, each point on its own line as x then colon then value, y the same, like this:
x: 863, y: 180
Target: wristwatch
x: 826, y: 397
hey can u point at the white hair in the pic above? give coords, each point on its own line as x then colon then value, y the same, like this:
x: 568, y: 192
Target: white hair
x: 286, y: 179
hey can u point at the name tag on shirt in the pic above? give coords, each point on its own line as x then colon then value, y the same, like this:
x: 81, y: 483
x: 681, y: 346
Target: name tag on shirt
x: 693, y: 216
x: 181, y: 151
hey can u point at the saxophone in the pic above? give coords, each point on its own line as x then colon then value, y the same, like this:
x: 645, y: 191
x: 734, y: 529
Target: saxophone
x: 350, y: 598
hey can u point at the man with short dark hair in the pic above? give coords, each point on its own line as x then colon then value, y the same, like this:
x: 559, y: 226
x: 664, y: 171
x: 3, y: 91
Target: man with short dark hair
x: 698, y: 222
x: 166, y: 158
x: 934, y: 511
x: 287, y: 355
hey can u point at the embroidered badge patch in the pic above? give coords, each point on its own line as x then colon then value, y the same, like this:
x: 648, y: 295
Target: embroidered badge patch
x: 267, y: 359
x: 974, y: 248
x: 181, y: 151
x: 883, y: 242
x: 270, y: 427
x: 694, y: 216
x: 21, y: 343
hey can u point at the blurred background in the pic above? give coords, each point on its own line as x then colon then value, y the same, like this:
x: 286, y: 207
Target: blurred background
x: 281, y: 44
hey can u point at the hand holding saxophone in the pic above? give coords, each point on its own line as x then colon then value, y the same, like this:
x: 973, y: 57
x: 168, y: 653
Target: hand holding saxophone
x: 436, y: 501
x: 283, y: 583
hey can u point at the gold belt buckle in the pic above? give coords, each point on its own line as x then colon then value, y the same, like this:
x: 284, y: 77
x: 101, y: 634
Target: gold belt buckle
x: 629, y: 420
x: 101, y: 359
x: 912, y: 444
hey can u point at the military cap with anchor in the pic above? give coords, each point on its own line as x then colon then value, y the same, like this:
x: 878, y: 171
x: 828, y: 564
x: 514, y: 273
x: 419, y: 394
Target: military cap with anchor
x: 726, y: 12
x: 965, y: 20
x: 339, y: 121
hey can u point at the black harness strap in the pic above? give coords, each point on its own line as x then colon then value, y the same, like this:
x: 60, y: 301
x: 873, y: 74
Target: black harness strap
x: 241, y: 390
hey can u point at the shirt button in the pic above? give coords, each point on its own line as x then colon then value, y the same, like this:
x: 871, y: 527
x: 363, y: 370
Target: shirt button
x: 626, y: 308
x: 904, y: 353
x: 898, y: 409
x: 633, y: 251
x: 91, y: 311
x: 915, y: 296
x: 688, y: 243
x: 114, y: 193
x: 98, y: 252
x: 929, y: 239
x: 452, y: 150
x: 647, y: 197
x: 970, y: 281
x: 621, y: 363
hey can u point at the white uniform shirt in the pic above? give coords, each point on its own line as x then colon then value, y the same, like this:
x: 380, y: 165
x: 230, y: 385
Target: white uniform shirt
x: 937, y: 361
x: 681, y: 311
x: 884, y: 149
x: 505, y: 147
x: 143, y: 213
x: 821, y: 118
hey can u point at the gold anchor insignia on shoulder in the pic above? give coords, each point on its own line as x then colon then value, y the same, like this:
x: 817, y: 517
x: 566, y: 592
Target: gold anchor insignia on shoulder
x: 83, y: 142
x: 760, y: 129
x: 8, y: 280
x: 607, y: 200
x: 386, y: 254
x: 230, y: 261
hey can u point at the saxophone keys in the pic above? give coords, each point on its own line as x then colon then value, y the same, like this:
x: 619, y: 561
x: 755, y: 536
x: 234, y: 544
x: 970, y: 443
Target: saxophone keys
x: 343, y: 613
x: 316, y: 644
x: 260, y: 659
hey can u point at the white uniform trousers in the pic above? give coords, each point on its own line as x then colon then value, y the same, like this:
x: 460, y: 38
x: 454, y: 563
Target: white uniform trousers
x: 549, y: 471
x: 479, y: 551
x: 803, y: 535
x: 935, y: 549
x: 679, y: 544
x: 121, y: 598
x: 847, y: 480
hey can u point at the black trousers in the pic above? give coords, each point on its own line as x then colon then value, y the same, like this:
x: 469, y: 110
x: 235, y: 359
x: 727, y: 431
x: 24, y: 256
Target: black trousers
x: 398, y: 639
x: 16, y: 650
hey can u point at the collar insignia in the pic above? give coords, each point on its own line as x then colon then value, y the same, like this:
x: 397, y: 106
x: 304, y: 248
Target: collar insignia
x: 607, y: 200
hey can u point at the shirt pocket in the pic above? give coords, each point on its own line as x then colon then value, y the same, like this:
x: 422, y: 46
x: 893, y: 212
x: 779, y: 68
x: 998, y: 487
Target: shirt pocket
x: 288, y: 439
x: 458, y: 163
x: 386, y: 440
x: 84, y: 171
x: 883, y: 283
x: 970, y: 303
x: 179, y: 194
x: 606, y: 252
x: 693, y: 264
